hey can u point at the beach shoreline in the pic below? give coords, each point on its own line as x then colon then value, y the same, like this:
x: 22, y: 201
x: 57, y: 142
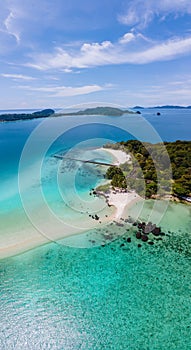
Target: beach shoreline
x: 31, y: 237
x: 116, y: 199
x: 120, y: 157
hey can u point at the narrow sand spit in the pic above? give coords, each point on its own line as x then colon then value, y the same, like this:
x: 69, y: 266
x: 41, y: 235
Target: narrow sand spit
x: 28, y: 237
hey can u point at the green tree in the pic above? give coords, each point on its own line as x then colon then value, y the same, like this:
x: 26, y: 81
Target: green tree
x: 113, y: 170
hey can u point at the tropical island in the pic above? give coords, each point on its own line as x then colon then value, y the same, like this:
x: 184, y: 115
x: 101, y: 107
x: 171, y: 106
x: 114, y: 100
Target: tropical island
x: 102, y: 111
x: 152, y: 171
x: 46, y: 113
x: 10, y: 117
x: 163, y: 107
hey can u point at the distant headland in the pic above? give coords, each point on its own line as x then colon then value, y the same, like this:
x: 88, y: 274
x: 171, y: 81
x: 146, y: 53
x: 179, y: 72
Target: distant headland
x: 10, y: 117
x: 163, y: 107
x: 46, y: 113
x: 102, y: 111
x: 96, y: 111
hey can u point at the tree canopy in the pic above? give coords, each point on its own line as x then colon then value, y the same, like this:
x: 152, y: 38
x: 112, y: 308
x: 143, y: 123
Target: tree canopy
x: 165, y: 168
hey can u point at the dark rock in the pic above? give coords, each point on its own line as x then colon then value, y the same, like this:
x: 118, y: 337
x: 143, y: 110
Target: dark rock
x: 122, y: 245
x: 138, y: 235
x: 150, y: 242
x: 134, y: 224
x: 129, y: 239
x: 144, y: 238
x: 118, y: 224
x: 139, y: 245
x: 156, y: 231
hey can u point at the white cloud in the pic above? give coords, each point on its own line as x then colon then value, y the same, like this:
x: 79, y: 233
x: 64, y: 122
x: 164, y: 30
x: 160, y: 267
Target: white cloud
x: 9, y: 26
x: 137, y: 51
x: 141, y: 12
x: 165, y: 51
x: 17, y: 76
x: 65, y: 91
x: 127, y: 38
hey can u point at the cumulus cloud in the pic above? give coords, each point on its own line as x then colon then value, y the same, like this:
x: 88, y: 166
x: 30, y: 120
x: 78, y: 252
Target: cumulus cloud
x: 138, y: 50
x: 141, y: 12
x: 127, y: 38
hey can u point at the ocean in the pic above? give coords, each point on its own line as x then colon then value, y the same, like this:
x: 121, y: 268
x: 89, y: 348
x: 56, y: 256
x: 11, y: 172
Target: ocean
x: 94, y: 290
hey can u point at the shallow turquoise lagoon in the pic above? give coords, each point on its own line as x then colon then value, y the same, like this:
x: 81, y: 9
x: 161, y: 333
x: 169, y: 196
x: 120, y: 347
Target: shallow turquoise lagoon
x: 114, y: 297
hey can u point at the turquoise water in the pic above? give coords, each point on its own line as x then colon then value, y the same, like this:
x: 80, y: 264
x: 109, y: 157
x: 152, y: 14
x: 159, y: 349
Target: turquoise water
x: 111, y: 295
x: 108, y: 297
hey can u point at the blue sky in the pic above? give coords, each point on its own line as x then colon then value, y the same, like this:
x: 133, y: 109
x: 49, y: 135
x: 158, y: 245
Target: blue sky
x: 59, y: 53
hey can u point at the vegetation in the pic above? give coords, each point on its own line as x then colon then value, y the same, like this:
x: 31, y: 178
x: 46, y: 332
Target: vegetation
x: 157, y: 168
x: 103, y: 188
x: 107, y: 111
x: 25, y: 116
x: 117, y: 177
x: 164, y: 107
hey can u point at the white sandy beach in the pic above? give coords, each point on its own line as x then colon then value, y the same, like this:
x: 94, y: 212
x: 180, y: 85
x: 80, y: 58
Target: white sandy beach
x: 120, y: 156
x: 117, y: 198
x: 22, y: 235
x: 121, y: 200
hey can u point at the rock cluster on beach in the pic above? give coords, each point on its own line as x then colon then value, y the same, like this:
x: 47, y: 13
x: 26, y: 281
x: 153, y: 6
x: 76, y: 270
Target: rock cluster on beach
x: 146, y: 232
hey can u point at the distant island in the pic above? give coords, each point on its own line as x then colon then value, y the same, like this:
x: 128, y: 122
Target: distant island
x: 99, y: 111
x: 46, y: 113
x: 105, y: 111
x: 163, y: 107
x: 26, y: 116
